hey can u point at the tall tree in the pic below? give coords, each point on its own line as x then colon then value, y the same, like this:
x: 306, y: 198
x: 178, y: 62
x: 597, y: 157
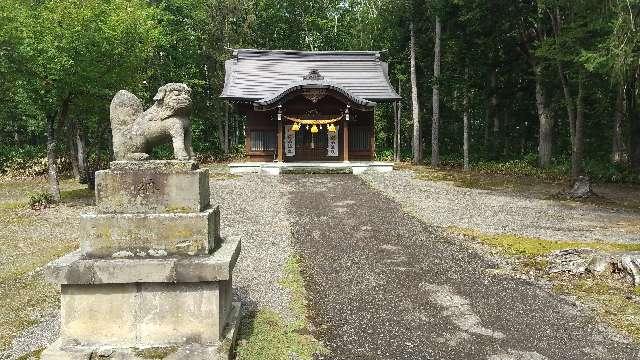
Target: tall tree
x: 415, y: 107
x: 435, y: 123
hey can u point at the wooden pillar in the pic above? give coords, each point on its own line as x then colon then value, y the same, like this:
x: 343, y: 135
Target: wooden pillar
x: 345, y: 140
x: 280, y: 155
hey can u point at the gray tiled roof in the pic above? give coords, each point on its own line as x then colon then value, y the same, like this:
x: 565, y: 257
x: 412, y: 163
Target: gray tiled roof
x: 254, y: 75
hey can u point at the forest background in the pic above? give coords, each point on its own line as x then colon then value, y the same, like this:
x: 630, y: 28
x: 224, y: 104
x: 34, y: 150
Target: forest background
x: 546, y: 85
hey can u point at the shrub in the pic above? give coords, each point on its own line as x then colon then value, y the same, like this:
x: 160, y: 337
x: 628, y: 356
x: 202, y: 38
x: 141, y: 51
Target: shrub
x: 40, y: 200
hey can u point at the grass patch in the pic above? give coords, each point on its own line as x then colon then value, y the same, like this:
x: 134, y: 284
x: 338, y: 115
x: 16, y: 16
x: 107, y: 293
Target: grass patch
x: 268, y: 336
x: 21, y: 299
x: 534, y: 247
x: 35, y: 354
x: 610, y: 299
x: 13, y: 205
x: 215, y: 176
x: 76, y: 194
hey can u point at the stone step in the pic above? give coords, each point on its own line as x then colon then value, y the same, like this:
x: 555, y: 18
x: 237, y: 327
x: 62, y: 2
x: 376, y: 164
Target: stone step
x: 149, y: 235
x: 152, y: 187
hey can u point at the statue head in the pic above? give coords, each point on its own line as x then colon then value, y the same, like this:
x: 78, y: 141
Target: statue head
x: 174, y: 97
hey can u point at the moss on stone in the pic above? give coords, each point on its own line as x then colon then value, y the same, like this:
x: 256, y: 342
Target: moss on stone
x: 177, y: 210
x: 155, y: 352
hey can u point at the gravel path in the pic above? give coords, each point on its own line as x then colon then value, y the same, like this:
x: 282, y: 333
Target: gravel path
x: 385, y: 285
x: 254, y: 208
x: 442, y: 204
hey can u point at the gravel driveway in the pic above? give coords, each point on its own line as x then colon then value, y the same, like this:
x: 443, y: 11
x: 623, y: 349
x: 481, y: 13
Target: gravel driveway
x: 443, y: 204
x: 385, y: 285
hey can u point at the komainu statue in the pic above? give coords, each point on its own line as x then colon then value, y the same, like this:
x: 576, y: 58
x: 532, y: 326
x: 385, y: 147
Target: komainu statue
x: 136, y: 132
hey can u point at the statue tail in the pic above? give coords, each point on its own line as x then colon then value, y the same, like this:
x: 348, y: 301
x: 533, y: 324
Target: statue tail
x: 124, y: 110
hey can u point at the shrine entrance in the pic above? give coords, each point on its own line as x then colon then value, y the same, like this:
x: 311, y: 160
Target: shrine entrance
x: 312, y: 139
x: 311, y: 147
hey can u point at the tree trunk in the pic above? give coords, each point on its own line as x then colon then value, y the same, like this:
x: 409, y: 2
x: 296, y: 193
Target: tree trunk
x: 73, y: 150
x: 397, y: 127
x: 465, y: 117
x: 81, y: 151
x: 577, y: 155
x: 435, y: 124
x: 493, y: 114
x: 634, y: 115
x: 568, y: 99
x: 54, y: 185
x: 545, y: 119
x: 226, y: 130
x: 417, y: 143
x: 618, y: 155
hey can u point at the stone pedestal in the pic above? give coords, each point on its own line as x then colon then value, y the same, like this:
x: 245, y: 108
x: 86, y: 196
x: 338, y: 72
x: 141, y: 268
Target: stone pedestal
x: 152, y: 277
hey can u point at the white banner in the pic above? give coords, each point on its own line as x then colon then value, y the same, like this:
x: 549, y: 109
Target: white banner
x: 333, y: 144
x: 289, y: 141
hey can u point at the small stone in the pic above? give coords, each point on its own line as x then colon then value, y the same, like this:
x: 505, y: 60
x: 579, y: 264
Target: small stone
x: 630, y: 263
x: 600, y: 264
x: 572, y: 261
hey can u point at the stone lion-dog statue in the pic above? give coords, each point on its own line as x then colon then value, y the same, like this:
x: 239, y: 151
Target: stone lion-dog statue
x: 136, y: 132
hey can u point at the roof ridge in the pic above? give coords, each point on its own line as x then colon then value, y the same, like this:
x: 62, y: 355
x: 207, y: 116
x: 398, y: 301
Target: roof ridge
x: 305, y: 52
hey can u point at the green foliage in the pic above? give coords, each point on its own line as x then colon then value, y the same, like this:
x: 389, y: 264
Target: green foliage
x: 53, y: 51
x: 40, y: 200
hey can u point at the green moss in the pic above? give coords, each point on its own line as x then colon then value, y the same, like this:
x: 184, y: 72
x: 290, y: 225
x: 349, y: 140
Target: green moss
x: 35, y: 354
x: 177, y: 210
x: 76, y: 194
x: 13, y: 205
x: 268, y: 336
x: 216, y: 176
x: 610, y: 299
x: 155, y: 352
x: 531, y: 246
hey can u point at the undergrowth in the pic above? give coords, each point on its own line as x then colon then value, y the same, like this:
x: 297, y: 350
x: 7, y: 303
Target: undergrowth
x: 269, y: 336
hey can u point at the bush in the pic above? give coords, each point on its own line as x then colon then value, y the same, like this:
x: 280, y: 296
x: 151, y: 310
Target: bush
x: 605, y: 171
x: 40, y: 200
x: 385, y: 155
x: 521, y: 168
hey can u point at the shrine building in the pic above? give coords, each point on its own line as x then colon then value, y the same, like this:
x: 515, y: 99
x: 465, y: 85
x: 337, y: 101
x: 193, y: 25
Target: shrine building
x: 308, y: 106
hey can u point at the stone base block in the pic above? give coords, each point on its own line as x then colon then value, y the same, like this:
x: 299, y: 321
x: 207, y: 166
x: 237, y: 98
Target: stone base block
x: 74, y: 269
x: 145, y: 314
x: 222, y: 350
x: 149, y: 235
x: 152, y: 187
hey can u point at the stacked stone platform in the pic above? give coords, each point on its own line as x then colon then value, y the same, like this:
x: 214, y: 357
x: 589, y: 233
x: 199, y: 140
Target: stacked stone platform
x: 152, y: 276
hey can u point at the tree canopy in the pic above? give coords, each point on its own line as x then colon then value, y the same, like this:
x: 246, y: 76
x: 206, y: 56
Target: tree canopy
x: 550, y: 82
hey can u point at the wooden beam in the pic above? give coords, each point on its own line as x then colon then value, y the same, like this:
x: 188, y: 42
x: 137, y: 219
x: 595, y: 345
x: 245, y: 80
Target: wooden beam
x: 345, y: 140
x: 280, y: 141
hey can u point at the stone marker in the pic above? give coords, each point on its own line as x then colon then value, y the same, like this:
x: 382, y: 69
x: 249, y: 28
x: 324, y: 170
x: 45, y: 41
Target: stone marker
x: 152, y: 277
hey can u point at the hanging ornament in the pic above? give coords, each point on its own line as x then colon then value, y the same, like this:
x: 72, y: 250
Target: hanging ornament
x: 314, y: 129
x: 307, y: 127
x: 295, y: 127
x: 331, y: 128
